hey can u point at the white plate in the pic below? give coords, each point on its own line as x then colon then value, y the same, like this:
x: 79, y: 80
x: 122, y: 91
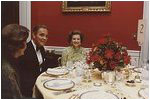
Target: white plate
x: 59, y: 84
x: 57, y: 71
x: 144, y: 92
x: 97, y: 94
x: 138, y: 69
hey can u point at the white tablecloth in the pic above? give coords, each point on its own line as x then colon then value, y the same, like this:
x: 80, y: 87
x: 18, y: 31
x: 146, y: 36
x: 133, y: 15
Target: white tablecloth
x: 118, y: 88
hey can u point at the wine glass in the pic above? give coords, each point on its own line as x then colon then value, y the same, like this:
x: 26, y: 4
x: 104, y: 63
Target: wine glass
x: 145, y: 70
x: 87, y: 75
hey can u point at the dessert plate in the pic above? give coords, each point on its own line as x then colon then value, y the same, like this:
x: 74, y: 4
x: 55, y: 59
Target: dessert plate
x: 97, y: 94
x: 59, y: 84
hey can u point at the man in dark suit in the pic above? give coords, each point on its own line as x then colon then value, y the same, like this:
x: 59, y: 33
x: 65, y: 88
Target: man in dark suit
x: 35, y: 60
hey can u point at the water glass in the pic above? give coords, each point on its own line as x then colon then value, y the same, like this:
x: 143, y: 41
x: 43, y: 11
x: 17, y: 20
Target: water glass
x: 70, y: 67
x: 109, y: 77
x: 145, y: 74
x: 145, y: 70
x: 87, y: 73
x: 119, y: 76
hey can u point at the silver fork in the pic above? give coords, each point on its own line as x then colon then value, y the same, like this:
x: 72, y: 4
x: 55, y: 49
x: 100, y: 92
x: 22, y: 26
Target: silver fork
x: 109, y: 91
x: 71, y: 97
x: 74, y: 96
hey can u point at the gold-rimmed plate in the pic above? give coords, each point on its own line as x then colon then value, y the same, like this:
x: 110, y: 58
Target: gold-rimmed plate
x: 144, y: 93
x: 97, y: 94
x: 57, y: 71
x: 59, y: 84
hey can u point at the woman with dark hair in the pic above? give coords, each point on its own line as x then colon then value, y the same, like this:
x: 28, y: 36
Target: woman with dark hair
x: 74, y: 52
x: 13, y: 45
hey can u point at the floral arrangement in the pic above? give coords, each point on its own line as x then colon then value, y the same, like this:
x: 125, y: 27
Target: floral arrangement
x: 108, y: 54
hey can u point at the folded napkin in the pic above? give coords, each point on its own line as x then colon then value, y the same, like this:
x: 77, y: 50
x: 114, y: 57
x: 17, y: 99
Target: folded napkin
x: 56, y: 71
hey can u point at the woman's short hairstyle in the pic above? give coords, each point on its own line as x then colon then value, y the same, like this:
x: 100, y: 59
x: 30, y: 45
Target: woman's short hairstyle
x: 13, y: 37
x: 75, y: 32
x: 37, y: 27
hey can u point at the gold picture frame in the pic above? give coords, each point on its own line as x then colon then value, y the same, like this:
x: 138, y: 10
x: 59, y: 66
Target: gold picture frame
x: 86, y: 6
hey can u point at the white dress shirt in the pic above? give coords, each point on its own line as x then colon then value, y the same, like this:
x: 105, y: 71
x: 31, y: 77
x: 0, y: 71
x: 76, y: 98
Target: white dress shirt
x: 38, y: 53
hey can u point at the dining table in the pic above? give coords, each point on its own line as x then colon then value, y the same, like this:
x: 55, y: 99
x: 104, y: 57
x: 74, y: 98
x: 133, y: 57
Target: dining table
x: 68, y: 85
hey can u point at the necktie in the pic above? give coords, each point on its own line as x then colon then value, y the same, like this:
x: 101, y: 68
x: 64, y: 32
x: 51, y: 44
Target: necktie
x: 37, y: 48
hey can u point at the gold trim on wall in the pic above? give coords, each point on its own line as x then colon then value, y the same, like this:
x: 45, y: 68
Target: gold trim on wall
x: 93, y: 6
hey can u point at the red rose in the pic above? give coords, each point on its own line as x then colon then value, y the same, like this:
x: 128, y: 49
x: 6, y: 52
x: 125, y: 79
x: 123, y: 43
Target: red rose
x: 125, y: 53
x: 94, y: 58
x: 118, y: 56
x: 112, y: 64
x: 126, y: 59
x: 109, y: 54
x: 88, y: 61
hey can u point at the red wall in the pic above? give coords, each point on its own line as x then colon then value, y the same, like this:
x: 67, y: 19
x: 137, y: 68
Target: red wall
x: 121, y: 23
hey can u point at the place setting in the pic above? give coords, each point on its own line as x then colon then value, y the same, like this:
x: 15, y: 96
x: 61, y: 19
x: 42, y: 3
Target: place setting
x: 59, y: 85
x: 94, y: 94
x: 56, y: 72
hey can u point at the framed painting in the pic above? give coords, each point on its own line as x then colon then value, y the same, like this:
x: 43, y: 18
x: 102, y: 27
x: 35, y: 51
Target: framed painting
x: 86, y: 6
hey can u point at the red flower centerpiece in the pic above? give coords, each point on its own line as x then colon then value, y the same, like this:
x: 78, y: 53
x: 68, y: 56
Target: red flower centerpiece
x: 108, y: 54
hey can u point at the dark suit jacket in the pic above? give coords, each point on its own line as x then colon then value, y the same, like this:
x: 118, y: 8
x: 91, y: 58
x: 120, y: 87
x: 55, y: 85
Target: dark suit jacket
x: 30, y: 69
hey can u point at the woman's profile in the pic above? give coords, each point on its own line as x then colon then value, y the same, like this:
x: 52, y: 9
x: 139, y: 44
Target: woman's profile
x: 14, y: 38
